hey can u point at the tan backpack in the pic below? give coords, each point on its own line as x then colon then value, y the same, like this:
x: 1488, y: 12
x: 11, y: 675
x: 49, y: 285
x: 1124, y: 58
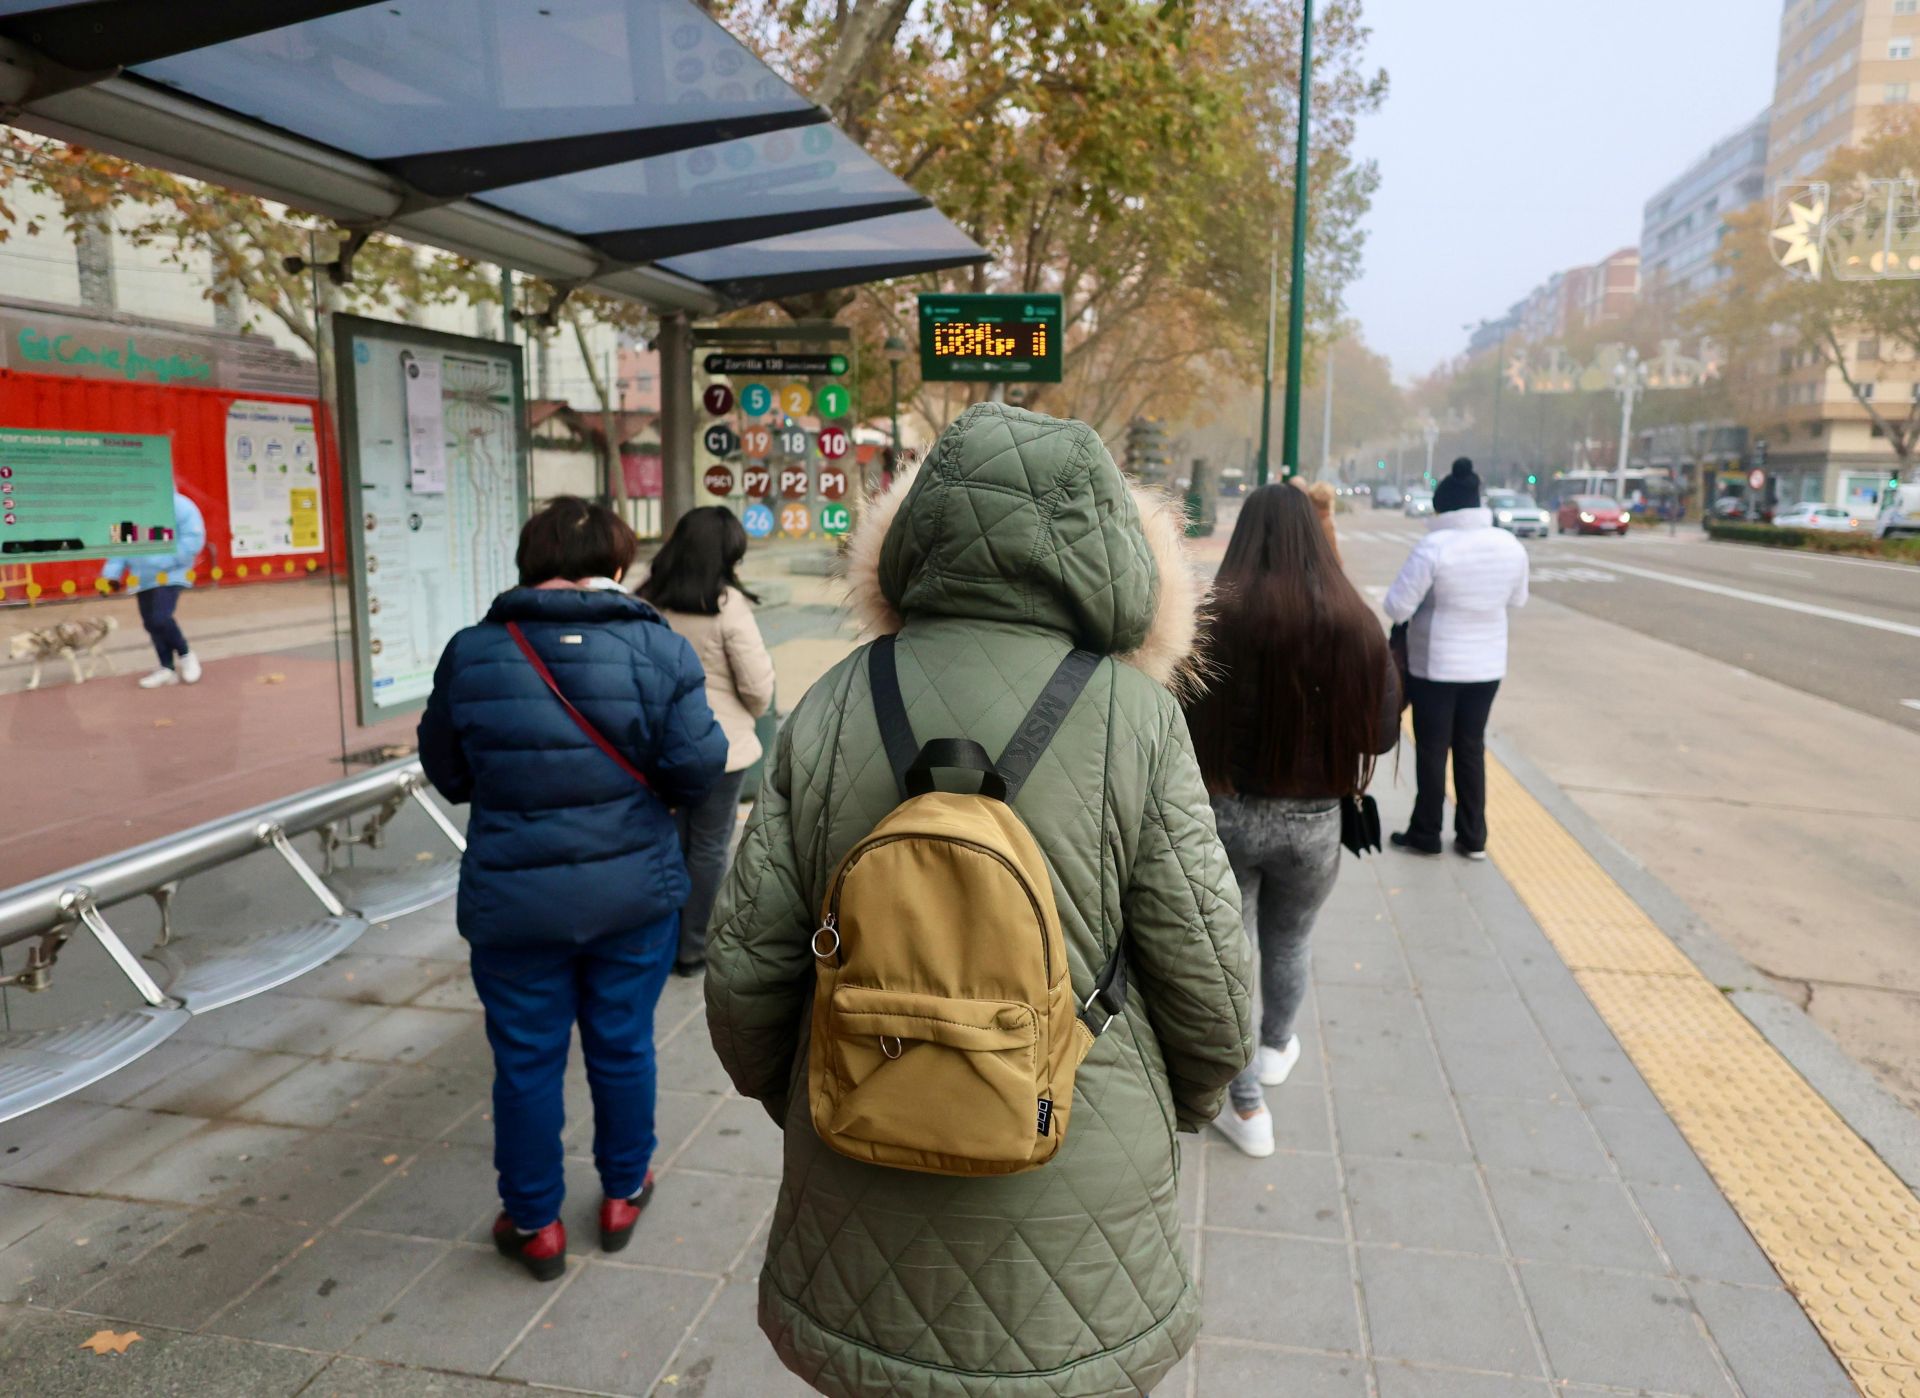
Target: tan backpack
x: 946, y: 1031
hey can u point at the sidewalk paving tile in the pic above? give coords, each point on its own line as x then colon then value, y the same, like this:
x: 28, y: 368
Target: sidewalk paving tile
x: 1402, y: 1128
x: 419, y: 1103
x: 285, y: 1023
x: 1769, y: 1343
x: 611, y: 1330
x: 435, y: 1194
x: 22, y: 1210
x: 217, y: 1082
x: 1287, y: 1291
x: 315, y: 1094
x: 1420, y: 1204
x: 188, y: 1278
x: 1605, y: 1077
x: 364, y: 1378
x: 1299, y: 1108
x: 1704, y: 1236
x: 41, y: 1356
x: 1409, y: 1381
x: 1241, y: 1369
x: 405, y: 1035
x: 1444, y: 1309
x: 328, y: 1293
x: 1649, y: 1148
x: 1496, y: 1016
x: 1650, y: 1338
x: 200, y: 1168
x: 83, y: 1158
x: 1533, y: 1135
x: 698, y: 1222
x: 313, y: 1182
x: 165, y: 1062
x: 80, y: 1247
x: 1458, y: 972
x: 725, y: 1353
x: 463, y: 1314
x: 1285, y: 1193
x: 740, y: 1139
x: 1521, y: 1069
x: 1553, y: 1219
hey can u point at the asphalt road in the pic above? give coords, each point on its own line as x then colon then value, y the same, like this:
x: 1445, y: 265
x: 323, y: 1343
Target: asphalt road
x: 1843, y: 629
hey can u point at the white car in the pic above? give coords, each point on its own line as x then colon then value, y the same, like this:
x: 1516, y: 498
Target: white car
x: 1418, y: 503
x: 1831, y: 518
x: 1519, y: 514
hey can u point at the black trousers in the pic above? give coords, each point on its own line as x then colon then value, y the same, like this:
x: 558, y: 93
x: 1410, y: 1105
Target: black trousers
x: 1450, y: 717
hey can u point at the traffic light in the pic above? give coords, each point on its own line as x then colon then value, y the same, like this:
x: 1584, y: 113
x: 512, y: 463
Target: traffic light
x: 1532, y: 479
x: 1379, y: 465
x: 1147, y: 449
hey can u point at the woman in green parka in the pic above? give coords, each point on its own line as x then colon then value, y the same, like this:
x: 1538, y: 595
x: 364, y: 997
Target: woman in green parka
x: 1018, y: 540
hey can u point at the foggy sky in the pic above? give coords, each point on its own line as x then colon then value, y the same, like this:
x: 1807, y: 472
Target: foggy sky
x: 1522, y: 137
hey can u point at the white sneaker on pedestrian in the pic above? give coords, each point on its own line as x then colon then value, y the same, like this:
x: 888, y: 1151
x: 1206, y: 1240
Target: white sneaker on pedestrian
x: 159, y: 679
x: 190, y: 668
x: 1275, y: 1065
x: 1251, y: 1135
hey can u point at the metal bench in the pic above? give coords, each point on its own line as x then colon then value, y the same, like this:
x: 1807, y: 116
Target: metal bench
x: 41, y: 1066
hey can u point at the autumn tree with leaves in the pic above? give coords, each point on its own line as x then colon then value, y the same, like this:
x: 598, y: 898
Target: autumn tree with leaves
x: 1134, y: 158
x: 1762, y: 310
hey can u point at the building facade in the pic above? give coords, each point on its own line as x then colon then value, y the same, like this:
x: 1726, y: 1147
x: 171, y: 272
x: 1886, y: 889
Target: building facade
x: 1843, y: 64
x: 1681, y: 231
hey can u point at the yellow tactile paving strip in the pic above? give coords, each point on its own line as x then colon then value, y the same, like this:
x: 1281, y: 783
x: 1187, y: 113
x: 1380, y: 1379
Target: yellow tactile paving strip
x: 1840, y: 1227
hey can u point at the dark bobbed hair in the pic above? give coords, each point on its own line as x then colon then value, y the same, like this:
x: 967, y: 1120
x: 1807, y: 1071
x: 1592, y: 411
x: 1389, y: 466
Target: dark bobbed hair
x: 1300, y: 661
x: 697, y: 563
x: 571, y: 538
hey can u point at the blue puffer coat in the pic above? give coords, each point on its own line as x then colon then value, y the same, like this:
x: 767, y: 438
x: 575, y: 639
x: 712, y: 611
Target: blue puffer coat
x: 562, y: 845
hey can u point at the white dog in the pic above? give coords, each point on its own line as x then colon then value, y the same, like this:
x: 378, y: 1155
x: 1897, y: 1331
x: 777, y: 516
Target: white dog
x: 75, y: 640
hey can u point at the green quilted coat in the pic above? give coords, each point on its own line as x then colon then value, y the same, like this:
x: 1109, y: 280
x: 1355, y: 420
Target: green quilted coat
x: 1018, y: 539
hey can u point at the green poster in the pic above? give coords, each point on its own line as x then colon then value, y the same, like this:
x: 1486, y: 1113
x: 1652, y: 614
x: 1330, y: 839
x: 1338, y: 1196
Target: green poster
x: 84, y: 495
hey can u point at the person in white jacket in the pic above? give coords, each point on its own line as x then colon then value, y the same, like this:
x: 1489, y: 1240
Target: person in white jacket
x: 1454, y: 592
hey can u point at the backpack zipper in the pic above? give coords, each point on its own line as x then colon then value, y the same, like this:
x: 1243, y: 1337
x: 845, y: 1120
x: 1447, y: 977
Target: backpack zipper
x: 833, y: 912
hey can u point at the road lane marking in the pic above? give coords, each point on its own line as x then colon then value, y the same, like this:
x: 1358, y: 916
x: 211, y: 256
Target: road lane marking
x: 1911, y: 703
x: 1764, y: 599
x: 1783, y: 572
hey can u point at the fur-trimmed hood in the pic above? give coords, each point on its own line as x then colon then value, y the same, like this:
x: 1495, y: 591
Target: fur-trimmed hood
x: 1020, y: 517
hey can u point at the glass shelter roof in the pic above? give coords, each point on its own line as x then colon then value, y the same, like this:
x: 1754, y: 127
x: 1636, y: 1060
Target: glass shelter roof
x: 631, y: 145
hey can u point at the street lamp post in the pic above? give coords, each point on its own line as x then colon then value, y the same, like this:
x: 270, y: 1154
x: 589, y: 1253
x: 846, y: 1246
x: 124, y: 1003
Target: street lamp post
x: 1296, y: 287
x: 1630, y: 378
x: 1262, y: 465
x: 895, y: 351
x: 1430, y: 430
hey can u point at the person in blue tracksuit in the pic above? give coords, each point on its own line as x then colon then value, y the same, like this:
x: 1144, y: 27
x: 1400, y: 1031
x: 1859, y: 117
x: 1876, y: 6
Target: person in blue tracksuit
x: 157, y: 580
x: 572, y: 882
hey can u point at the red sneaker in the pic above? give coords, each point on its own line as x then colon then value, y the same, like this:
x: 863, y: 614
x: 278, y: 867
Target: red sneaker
x: 544, y: 1253
x: 617, y: 1217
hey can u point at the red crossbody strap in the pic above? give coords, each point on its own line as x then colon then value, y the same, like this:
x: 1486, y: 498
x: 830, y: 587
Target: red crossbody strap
x: 599, y: 739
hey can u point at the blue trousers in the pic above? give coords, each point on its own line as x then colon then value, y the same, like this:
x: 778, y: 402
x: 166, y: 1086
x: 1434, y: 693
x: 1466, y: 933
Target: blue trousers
x: 156, y: 614
x: 533, y: 997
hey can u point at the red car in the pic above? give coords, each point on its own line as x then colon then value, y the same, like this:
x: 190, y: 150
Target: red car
x: 1592, y: 514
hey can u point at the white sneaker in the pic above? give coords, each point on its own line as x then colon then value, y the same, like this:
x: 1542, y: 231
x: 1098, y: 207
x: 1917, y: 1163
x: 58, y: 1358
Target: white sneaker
x: 1275, y: 1065
x: 1251, y: 1135
x: 190, y: 668
x: 159, y: 679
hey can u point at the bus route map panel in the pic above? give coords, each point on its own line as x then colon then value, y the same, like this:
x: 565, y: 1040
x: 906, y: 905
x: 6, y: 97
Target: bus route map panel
x: 434, y: 460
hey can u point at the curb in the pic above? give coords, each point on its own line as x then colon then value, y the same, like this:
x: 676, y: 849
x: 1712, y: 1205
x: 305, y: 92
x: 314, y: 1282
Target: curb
x: 1849, y: 1088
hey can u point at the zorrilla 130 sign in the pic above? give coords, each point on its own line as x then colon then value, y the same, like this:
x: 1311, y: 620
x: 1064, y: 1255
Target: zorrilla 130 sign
x: 1872, y: 232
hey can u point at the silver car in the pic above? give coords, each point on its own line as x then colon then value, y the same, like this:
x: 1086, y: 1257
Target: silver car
x: 1418, y: 503
x: 1519, y: 514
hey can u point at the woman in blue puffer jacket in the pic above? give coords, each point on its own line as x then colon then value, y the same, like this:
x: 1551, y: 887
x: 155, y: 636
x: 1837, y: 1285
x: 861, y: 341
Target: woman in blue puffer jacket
x: 574, y: 720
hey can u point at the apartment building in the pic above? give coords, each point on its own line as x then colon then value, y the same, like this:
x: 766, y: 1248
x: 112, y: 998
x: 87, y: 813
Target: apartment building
x: 1842, y: 64
x: 1684, y: 222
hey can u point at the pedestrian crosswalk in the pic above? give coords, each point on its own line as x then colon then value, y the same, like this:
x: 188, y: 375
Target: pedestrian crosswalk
x: 1410, y: 535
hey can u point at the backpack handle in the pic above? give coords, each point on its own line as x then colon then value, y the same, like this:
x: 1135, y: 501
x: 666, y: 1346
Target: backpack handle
x: 960, y: 753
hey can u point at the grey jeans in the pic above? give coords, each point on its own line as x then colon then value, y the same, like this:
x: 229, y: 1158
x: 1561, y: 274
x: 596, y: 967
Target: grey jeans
x: 1286, y: 855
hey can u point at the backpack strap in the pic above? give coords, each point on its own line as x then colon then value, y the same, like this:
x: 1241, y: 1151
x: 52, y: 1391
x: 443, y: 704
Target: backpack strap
x: 1043, y: 720
x: 1109, y: 998
x: 896, y: 730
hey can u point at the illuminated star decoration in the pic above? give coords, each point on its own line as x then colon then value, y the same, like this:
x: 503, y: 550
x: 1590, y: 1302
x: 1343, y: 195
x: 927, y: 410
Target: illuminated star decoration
x: 1802, y: 236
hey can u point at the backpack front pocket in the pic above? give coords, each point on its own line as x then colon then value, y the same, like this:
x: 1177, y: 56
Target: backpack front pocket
x: 950, y: 1077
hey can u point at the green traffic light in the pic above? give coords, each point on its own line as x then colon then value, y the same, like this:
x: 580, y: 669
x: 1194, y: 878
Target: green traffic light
x: 1533, y: 480
x: 1380, y: 466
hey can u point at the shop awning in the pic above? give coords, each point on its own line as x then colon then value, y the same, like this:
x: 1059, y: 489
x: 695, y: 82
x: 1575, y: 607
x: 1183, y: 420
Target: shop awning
x: 633, y: 146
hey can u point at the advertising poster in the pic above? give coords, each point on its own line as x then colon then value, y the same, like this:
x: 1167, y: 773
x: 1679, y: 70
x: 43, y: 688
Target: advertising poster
x: 83, y: 495
x: 430, y: 550
x: 273, y: 479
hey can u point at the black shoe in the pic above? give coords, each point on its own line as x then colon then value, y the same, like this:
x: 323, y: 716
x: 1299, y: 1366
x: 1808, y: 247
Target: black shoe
x: 1401, y: 840
x: 1468, y: 851
x: 691, y: 968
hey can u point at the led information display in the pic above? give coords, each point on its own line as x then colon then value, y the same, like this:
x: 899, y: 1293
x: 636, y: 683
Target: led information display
x: 990, y: 339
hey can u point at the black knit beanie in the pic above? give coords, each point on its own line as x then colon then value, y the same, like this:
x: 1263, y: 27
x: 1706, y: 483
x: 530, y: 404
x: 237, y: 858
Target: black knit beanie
x: 1459, y: 491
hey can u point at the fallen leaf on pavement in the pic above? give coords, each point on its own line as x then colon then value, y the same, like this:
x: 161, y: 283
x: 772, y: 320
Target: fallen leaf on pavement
x: 163, y: 723
x: 275, y: 678
x: 107, y: 1342
x: 388, y: 1159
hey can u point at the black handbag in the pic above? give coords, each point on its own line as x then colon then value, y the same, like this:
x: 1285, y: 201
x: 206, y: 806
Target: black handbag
x: 1360, y: 823
x: 1397, y: 648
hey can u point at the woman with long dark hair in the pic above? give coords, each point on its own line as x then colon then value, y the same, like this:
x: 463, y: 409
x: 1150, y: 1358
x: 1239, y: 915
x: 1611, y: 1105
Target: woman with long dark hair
x: 1303, y: 699
x: 696, y: 586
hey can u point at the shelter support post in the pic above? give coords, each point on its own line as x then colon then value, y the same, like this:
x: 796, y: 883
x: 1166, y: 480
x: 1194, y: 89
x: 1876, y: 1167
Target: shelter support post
x: 675, y: 344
